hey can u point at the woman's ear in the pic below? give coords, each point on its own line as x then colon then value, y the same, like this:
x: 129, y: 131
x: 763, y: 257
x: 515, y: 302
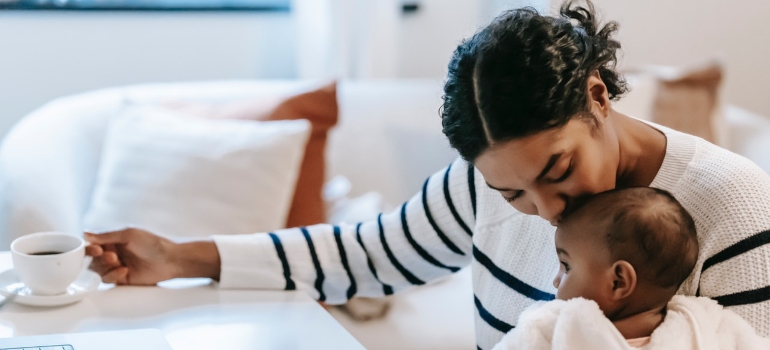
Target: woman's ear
x: 597, y: 95
x: 624, y: 280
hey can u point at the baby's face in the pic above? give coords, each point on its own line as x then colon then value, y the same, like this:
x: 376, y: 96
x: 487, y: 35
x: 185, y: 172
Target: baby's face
x: 585, y: 265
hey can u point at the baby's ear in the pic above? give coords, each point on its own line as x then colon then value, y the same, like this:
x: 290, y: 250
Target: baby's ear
x: 624, y: 279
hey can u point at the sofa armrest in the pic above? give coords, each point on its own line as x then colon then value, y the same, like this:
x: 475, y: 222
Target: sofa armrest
x: 748, y: 135
x: 48, y: 163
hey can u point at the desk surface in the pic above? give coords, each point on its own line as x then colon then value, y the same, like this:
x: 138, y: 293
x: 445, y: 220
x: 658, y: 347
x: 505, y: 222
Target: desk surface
x: 193, y: 314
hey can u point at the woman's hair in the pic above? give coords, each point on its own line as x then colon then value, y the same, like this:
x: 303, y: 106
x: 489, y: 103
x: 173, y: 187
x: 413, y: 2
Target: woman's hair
x: 525, y: 73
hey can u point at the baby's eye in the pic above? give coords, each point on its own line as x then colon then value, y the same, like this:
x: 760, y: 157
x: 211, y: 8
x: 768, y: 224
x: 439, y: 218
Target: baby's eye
x: 566, y: 266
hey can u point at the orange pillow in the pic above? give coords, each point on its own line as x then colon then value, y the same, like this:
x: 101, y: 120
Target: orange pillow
x: 317, y: 106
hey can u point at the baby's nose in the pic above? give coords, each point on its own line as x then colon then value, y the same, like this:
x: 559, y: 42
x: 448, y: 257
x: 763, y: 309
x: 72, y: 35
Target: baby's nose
x: 556, y: 281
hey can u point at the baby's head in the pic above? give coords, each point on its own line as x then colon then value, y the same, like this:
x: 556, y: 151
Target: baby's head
x: 628, y: 250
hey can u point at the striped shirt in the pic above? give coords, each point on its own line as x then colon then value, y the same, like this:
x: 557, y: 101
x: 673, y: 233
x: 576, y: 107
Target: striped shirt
x: 456, y: 220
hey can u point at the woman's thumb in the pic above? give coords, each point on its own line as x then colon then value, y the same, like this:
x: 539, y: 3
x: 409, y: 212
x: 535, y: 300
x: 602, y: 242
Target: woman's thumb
x: 112, y: 237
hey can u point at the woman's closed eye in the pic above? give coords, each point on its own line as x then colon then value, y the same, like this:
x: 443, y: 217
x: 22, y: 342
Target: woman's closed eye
x: 566, y: 174
x: 512, y: 198
x: 561, y: 178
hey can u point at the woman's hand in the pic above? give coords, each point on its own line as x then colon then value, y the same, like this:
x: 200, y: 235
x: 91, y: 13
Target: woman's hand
x: 137, y: 257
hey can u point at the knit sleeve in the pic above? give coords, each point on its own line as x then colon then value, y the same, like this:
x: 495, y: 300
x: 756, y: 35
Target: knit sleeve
x: 733, y: 217
x: 427, y: 237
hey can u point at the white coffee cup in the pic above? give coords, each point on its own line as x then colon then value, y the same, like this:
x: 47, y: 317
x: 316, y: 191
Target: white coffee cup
x: 48, y: 262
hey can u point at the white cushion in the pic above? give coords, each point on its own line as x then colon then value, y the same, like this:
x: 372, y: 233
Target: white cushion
x: 180, y: 175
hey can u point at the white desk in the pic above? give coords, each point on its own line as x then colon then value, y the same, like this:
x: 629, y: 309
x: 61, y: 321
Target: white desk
x: 193, y: 314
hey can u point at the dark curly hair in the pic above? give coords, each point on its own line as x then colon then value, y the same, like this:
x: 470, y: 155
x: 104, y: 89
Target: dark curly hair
x: 525, y: 73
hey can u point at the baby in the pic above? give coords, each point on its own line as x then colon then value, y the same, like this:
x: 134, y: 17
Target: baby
x: 623, y: 255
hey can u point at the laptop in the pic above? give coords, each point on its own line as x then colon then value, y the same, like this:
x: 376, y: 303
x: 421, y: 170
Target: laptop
x: 145, y: 339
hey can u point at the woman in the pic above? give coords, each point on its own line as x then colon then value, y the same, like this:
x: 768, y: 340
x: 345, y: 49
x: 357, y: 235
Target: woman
x: 527, y: 106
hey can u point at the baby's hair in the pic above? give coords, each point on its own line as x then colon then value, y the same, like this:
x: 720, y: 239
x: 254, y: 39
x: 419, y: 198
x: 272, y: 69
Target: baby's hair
x: 648, y: 228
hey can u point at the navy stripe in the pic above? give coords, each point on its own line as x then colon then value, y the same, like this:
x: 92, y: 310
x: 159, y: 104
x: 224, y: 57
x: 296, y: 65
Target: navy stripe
x: 319, y: 280
x: 743, y: 298
x: 423, y: 253
x: 433, y: 224
x: 736, y: 249
x: 386, y: 289
x: 404, y: 272
x: 509, y: 280
x: 472, y: 186
x: 284, y: 263
x: 344, y: 258
x: 491, y: 319
x: 448, y: 198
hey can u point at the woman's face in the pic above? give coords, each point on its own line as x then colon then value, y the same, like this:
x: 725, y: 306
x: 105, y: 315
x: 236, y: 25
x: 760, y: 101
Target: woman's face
x: 543, y: 174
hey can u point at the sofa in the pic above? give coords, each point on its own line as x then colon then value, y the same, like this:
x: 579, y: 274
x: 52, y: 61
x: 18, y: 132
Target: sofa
x: 388, y: 141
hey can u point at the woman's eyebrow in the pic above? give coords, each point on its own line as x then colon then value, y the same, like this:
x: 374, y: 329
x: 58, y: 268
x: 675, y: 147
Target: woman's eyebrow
x: 562, y: 251
x: 549, y: 165
x: 551, y: 162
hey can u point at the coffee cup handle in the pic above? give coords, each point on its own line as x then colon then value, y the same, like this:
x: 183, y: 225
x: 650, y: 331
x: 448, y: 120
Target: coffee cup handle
x: 87, y: 262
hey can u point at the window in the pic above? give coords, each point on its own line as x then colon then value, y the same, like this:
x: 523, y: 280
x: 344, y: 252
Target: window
x: 147, y: 5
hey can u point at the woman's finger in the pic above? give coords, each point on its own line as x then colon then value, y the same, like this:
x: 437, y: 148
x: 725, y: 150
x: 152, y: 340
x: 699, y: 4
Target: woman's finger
x: 111, y: 258
x: 102, y: 265
x: 117, y: 275
x: 113, y: 237
x: 94, y: 250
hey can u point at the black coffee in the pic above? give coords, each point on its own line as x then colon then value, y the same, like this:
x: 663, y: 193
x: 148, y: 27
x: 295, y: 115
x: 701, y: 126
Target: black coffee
x: 45, y: 253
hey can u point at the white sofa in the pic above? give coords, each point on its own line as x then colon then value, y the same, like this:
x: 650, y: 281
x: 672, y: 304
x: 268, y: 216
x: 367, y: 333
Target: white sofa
x: 388, y: 140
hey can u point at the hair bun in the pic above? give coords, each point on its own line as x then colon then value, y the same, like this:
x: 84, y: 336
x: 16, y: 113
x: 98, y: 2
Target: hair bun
x: 601, y: 49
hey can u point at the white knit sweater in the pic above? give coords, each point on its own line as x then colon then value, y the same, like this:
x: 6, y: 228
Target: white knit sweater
x: 457, y: 220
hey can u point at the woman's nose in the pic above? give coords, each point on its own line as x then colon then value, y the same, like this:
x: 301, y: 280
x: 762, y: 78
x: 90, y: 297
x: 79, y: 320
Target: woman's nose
x: 550, y: 207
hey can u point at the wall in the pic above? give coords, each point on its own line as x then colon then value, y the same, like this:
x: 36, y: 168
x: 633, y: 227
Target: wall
x: 47, y: 54
x: 684, y: 32
x: 44, y: 55
x: 428, y: 37
x: 664, y: 32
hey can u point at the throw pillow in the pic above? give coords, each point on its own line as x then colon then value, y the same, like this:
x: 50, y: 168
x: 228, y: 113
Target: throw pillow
x: 687, y: 101
x: 319, y: 106
x: 684, y: 99
x: 180, y: 175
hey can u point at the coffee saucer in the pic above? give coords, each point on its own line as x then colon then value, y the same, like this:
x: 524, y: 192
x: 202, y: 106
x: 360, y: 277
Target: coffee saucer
x: 12, y: 287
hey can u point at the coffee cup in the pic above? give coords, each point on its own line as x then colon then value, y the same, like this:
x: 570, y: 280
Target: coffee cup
x: 48, y: 262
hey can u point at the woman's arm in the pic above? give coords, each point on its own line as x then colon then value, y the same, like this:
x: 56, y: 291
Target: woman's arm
x: 427, y: 237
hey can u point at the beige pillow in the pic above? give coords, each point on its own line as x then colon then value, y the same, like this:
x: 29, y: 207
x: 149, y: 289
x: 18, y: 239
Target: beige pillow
x: 684, y: 99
